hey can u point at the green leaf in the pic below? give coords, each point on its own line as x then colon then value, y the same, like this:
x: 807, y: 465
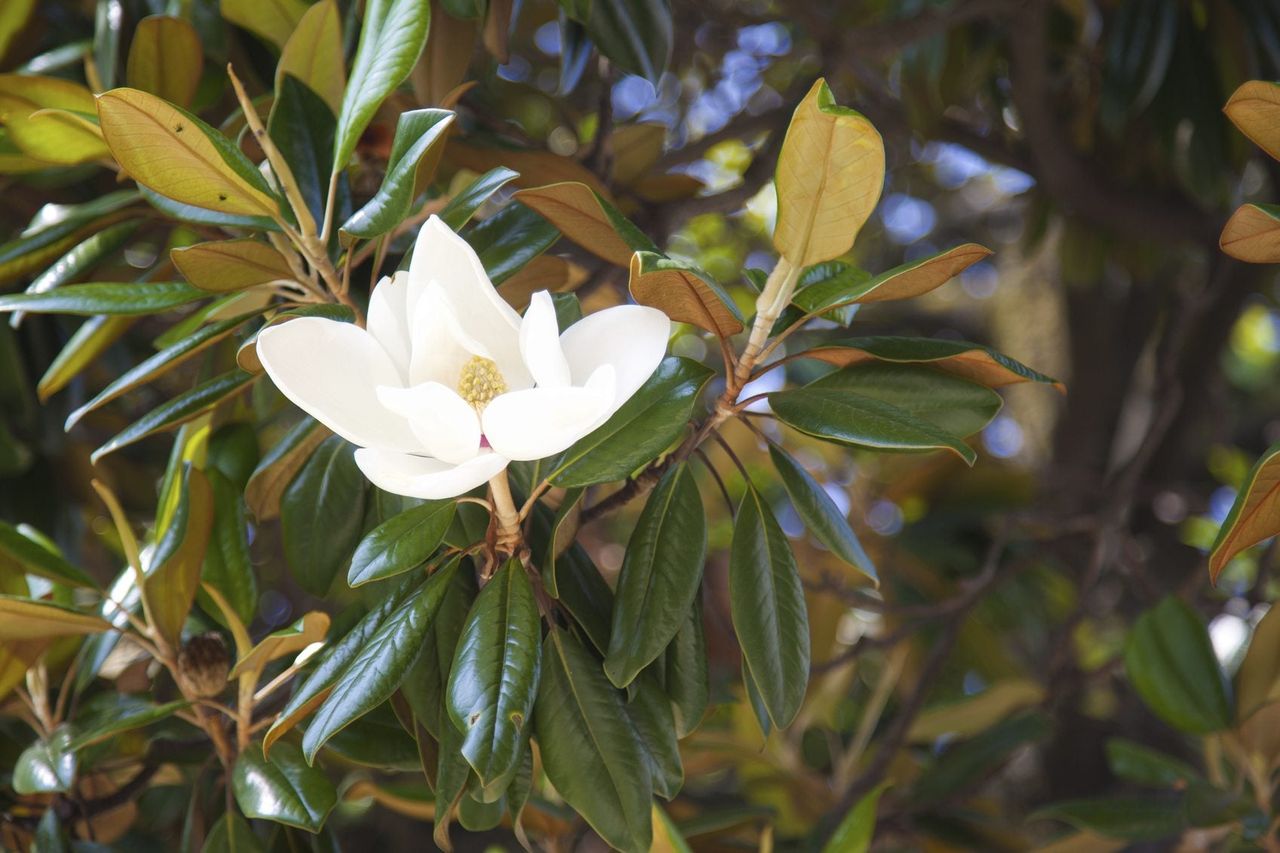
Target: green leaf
x: 333, y: 663
x: 417, y: 132
x: 768, y: 608
x: 634, y: 34
x: 428, y: 682
x: 283, y: 788
x: 89, y: 342
x: 81, y: 259
x: 1171, y: 664
x: 160, y: 363
x: 1126, y: 817
x: 1254, y: 516
x: 968, y: 361
x: 585, y: 594
x: 322, y: 513
x: 854, y: 833
x: 272, y: 20
x: 685, y: 673
x: 859, y: 421
x: 403, y: 543
x: 224, y: 266
x: 47, y: 766
x: 379, y: 667
x: 647, y: 424
x: 494, y: 677
x: 952, y: 404
x: 57, y: 229
x: 964, y: 764
x: 510, y: 239
x: 24, y: 619
x: 166, y: 58
x: 377, y: 740
x: 819, y: 512
x: 302, y: 126
x: 231, y: 834
x: 125, y: 714
x: 651, y: 716
x: 822, y: 290
x: 28, y: 554
x: 684, y: 293
x: 196, y: 215
x: 149, y: 297
x: 917, y: 277
x: 462, y: 207
x: 1143, y: 765
x: 589, y: 750
x: 178, y: 411
x: 392, y: 37
x: 49, y: 837
x: 660, y: 575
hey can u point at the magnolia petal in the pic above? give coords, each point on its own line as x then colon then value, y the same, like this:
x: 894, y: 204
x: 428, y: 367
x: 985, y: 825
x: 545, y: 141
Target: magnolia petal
x: 426, y: 478
x: 330, y: 370
x: 540, y: 343
x: 537, y: 422
x: 449, y: 265
x: 631, y: 338
x: 390, y: 308
x: 446, y: 424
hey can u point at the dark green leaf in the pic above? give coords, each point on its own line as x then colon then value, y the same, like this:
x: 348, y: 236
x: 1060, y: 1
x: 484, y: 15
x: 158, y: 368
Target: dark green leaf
x: 660, y: 576
x: 376, y: 740
x: 575, y: 50
x: 322, y: 513
x: 635, y: 34
x: 227, y: 567
x: 428, y: 682
x: 379, y: 667
x: 685, y: 673
x: 124, y: 714
x: 589, y: 750
x: 148, y: 297
x: 403, y: 543
x: 30, y: 555
x: 964, y: 764
x: 494, y: 677
x: 231, y: 834
x: 194, y: 215
x: 510, y: 239
x: 819, y: 512
x: 417, y: 131
x: 768, y: 608
x: 462, y: 207
x: 646, y: 425
x: 302, y: 127
x: 952, y: 404
x: 651, y: 716
x: 1143, y: 765
x: 1129, y: 818
x: 178, y: 411
x: 283, y: 788
x: 1172, y: 666
x: 81, y: 259
x: 969, y: 361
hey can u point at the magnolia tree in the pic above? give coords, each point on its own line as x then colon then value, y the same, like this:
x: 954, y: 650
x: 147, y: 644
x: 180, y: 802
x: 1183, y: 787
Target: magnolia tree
x: 397, y: 369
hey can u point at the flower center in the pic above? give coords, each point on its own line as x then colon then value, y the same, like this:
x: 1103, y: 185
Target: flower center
x: 480, y: 381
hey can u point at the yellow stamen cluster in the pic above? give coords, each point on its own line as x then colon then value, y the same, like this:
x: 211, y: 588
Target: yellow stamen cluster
x: 480, y: 381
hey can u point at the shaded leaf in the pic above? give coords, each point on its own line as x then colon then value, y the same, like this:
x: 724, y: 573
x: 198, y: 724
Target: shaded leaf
x: 402, y: 543
x: 47, y: 766
x: 24, y: 619
x: 468, y: 200
x: 509, y: 239
x: 322, y: 513
x: 225, y: 265
x: 279, y: 466
x: 309, y: 54
x: 149, y: 297
x: 311, y: 628
x: 171, y: 583
x: 28, y: 554
x: 856, y: 828
x: 1171, y: 664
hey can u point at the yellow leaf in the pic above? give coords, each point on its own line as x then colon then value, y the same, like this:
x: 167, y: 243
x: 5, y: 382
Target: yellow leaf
x: 172, y: 152
x: 1255, y: 515
x: 47, y: 118
x: 16, y: 657
x: 14, y: 15
x: 1255, y: 109
x: 166, y: 59
x: 170, y: 587
x: 917, y: 278
x: 1252, y: 234
x: 273, y: 20
x: 682, y: 294
x: 309, y: 54
x: 311, y: 628
x: 974, y: 714
x: 226, y: 265
x: 22, y: 619
x: 666, y: 837
x: 830, y: 173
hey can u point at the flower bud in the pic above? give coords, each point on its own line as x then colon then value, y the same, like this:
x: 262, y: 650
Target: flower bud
x: 204, y: 664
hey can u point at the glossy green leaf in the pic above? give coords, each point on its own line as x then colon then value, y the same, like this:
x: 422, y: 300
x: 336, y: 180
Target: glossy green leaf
x: 660, y: 575
x: 647, y: 424
x: 428, y: 682
x: 462, y: 207
x: 283, y: 788
x: 1143, y: 765
x: 302, y: 126
x: 823, y: 290
x: 28, y: 554
x: 402, y: 543
x: 510, y: 239
x: 322, y: 513
x: 684, y: 676
x: 634, y: 34
x: 333, y: 663
x: 768, y: 608
x: 123, y: 714
x: 47, y: 766
x: 575, y: 51
x: 159, y: 364
x: 819, y: 512
x: 1126, y: 817
x: 854, y: 833
x: 231, y: 834
x: 651, y: 717
x: 377, y: 740
x: 952, y: 404
x: 969, y: 361
x: 196, y: 215
x: 494, y: 677
x: 1171, y: 664
x: 858, y: 421
x: 417, y: 132
x: 391, y: 38
x: 378, y: 668
x: 178, y: 411
x: 105, y: 298
x: 588, y: 747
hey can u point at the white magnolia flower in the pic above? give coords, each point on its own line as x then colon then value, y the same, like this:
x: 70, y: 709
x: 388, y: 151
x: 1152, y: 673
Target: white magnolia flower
x: 448, y: 383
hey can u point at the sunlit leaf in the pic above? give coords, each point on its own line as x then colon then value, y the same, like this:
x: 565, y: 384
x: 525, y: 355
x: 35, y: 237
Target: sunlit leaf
x: 166, y: 58
x: 24, y: 619
x: 588, y: 219
x: 969, y: 361
x: 311, y: 628
x: 273, y: 20
x: 402, y: 543
x: 1254, y: 516
x: 1252, y: 234
x: 171, y: 584
x: 309, y: 54
x: 1255, y: 109
x: 417, y: 132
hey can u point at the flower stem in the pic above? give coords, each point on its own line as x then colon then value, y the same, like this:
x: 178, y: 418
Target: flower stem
x: 506, y: 518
